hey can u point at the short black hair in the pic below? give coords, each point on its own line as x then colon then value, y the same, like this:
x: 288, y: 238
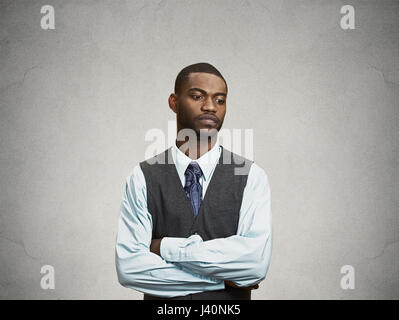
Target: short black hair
x: 197, y: 67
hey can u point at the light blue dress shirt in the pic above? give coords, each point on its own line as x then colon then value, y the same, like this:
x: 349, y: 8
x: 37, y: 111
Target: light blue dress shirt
x: 191, y: 265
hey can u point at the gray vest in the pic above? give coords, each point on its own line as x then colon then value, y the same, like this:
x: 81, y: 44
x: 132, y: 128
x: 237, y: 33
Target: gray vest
x: 171, y: 211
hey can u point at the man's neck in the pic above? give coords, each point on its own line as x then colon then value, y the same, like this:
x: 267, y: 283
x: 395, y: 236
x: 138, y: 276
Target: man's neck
x: 195, y: 149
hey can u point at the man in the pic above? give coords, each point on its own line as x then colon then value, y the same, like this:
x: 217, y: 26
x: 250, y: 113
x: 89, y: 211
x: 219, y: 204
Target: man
x: 195, y: 221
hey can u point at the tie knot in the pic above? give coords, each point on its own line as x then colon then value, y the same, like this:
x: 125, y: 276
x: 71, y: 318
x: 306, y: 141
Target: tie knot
x: 192, y: 170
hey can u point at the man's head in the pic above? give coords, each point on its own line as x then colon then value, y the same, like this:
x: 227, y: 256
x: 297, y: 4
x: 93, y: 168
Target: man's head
x: 199, y: 100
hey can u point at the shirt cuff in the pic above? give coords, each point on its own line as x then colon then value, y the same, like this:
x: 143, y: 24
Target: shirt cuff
x: 172, y: 249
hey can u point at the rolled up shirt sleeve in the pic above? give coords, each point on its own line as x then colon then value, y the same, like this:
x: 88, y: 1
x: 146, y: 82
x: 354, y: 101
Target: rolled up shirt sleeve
x: 243, y: 258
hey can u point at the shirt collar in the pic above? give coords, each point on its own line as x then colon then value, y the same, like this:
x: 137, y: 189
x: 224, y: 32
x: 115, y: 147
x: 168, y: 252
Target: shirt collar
x: 207, y: 161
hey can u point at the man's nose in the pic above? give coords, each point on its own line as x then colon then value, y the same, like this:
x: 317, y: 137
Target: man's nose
x: 209, y: 105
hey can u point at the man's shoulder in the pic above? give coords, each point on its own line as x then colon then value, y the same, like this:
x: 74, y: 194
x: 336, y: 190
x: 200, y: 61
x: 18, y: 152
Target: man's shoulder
x: 241, y: 164
x: 236, y: 157
x: 244, y: 165
x: 135, y: 177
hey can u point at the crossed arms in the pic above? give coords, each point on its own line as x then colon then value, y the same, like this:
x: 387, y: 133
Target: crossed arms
x: 179, y: 266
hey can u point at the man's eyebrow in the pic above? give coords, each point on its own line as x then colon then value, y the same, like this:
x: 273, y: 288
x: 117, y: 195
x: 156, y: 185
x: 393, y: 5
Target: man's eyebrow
x: 204, y: 92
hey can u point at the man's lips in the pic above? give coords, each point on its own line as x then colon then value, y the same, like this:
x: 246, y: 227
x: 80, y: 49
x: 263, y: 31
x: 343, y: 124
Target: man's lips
x: 208, y: 118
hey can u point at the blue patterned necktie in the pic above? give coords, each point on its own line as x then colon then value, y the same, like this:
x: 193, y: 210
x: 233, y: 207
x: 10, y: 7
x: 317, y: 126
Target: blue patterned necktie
x: 193, y: 187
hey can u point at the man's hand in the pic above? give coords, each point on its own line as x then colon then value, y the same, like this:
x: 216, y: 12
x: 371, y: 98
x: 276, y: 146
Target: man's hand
x: 155, y: 246
x: 232, y: 284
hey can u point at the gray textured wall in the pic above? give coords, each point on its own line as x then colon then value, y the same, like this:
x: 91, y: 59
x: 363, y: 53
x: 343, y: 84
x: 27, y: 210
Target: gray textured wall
x: 76, y: 102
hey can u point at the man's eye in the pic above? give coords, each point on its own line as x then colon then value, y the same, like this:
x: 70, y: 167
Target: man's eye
x: 220, y: 101
x: 195, y: 97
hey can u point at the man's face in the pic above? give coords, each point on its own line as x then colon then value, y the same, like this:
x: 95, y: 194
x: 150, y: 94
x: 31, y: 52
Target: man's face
x: 201, y: 102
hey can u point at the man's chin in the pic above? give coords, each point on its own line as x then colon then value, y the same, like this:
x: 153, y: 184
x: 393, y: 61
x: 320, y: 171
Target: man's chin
x: 207, y: 132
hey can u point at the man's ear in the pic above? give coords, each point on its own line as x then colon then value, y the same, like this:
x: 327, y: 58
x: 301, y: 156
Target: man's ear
x: 173, y: 102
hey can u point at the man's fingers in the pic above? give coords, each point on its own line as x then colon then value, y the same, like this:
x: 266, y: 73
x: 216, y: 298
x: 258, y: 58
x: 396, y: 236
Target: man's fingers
x: 251, y: 287
x: 256, y: 286
x: 232, y: 284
